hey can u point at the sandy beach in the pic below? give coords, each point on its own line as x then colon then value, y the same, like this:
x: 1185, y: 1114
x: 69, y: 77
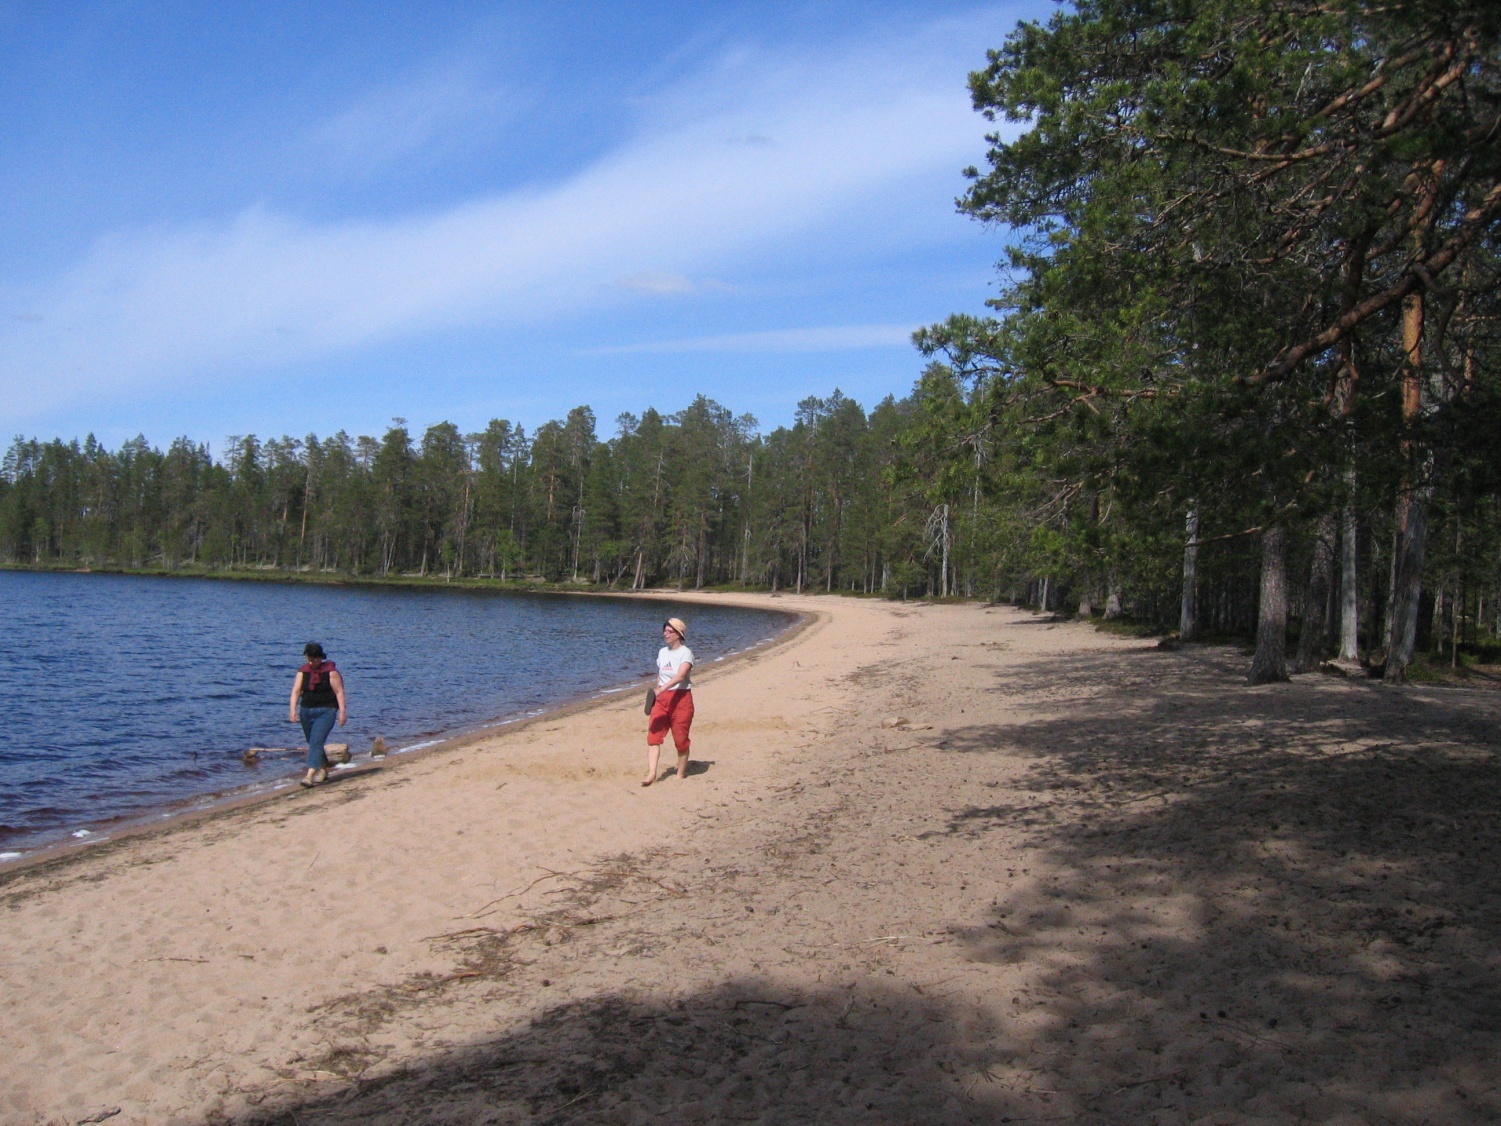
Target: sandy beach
x: 1084, y: 879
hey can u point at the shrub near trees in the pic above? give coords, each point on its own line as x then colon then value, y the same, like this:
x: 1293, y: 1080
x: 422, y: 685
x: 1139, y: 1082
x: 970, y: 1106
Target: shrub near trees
x: 1242, y: 375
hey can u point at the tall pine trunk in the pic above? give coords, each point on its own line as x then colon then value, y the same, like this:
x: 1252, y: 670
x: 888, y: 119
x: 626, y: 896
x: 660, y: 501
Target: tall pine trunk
x: 1188, y: 616
x: 1313, y: 643
x: 1349, y: 605
x: 1270, y: 662
x: 1412, y: 505
x: 1407, y: 590
x: 1113, y: 604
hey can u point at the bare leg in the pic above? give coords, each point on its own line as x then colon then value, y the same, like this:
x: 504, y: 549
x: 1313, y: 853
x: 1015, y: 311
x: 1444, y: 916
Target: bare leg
x: 682, y: 765
x: 653, y: 754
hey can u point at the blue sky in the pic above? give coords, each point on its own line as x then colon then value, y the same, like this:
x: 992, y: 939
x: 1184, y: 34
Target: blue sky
x: 290, y: 218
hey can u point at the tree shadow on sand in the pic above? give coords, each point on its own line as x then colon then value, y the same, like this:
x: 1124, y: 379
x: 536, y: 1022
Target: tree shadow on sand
x: 1260, y: 904
x: 747, y: 1051
x: 1272, y: 904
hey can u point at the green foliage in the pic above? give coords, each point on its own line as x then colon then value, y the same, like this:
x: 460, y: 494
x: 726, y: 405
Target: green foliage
x: 691, y: 499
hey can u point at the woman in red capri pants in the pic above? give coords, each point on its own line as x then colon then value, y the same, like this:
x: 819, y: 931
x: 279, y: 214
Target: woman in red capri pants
x: 674, y: 706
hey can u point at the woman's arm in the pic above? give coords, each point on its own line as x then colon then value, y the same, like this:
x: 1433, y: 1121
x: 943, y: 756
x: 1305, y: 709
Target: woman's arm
x: 683, y: 670
x: 337, y: 683
x: 296, y: 692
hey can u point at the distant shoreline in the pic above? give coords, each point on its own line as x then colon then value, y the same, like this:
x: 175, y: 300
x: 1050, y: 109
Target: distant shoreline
x: 404, y: 580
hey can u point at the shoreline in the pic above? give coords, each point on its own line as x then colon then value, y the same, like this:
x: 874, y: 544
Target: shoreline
x: 407, y: 581
x: 932, y: 863
x: 208, y: 807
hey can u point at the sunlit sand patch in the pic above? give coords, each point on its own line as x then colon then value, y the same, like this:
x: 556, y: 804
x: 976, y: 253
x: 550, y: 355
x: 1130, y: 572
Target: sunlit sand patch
x: 724, y: 726
x: 556, y: 770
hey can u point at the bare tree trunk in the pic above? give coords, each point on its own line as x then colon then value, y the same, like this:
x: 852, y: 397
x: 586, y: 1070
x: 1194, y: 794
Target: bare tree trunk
x: 1313, y: 643
x: 1412, y: 506
x: 1458, y: 616
x: 1349, y: 607
x: 1270, y: 662
x: 1343, y: 405
x: 1188, y: 617
x: 946, y: 552
x: 1113, y: 607
x: 307, y: 497
x: 1391, y: 591
x: 1412, y: 546
x: 1436, y: 619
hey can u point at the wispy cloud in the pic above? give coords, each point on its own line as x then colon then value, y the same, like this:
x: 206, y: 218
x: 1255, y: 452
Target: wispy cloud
x: 825, y: 338
x: 687, y: 196
x: 655, y: 281
x: 432, y: 112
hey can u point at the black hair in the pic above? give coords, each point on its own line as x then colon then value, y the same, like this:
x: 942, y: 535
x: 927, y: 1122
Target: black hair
x: 314, y: 652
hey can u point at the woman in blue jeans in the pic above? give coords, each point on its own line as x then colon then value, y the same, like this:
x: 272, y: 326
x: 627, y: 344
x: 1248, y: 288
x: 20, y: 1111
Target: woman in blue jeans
x: 317, y: 700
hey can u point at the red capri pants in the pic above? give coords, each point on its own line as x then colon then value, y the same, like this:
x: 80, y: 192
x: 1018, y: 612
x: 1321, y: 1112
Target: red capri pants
x: 673, y: 709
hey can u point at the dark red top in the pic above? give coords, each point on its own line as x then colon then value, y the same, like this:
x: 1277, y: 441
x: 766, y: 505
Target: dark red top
x: 317, y: 685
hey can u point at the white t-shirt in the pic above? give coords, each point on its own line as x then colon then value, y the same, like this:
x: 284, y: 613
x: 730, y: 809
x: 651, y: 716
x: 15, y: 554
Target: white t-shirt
x: 669, y: 661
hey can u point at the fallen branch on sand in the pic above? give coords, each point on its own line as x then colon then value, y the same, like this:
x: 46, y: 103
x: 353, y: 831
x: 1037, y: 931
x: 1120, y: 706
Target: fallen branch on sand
x: 985, y: 1074
x: 1175, y: 1077
x: 551, y: 875
x: 198, y: 961
x: 785, y: 1006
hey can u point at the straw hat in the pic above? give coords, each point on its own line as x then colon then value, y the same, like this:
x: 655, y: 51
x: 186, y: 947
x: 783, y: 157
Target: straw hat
x: 679, y: 625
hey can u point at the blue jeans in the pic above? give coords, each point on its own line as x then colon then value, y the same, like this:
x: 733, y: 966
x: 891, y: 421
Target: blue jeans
x: 316, y: 724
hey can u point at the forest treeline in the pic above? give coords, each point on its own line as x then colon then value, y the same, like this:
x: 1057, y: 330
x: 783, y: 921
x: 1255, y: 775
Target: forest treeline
x: 694, y: 498
x: 1241, y: 375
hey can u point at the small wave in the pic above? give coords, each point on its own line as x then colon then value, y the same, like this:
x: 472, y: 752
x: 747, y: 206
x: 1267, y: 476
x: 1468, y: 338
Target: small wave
x: 54, y: 812
x: 11, y: 855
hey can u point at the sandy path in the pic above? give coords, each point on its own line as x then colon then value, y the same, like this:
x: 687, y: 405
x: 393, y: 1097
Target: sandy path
x: 1091, y: 881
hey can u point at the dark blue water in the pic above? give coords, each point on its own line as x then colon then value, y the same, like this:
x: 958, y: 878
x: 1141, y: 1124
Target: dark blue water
x: 123, y: 697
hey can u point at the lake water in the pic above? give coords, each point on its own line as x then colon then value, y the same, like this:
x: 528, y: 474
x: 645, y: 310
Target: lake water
x: 126, y: 697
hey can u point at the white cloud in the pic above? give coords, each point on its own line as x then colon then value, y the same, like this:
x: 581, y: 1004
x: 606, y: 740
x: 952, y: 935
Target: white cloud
x: 687, y: 195
x: 655, y: 281
x: 825, y: 338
